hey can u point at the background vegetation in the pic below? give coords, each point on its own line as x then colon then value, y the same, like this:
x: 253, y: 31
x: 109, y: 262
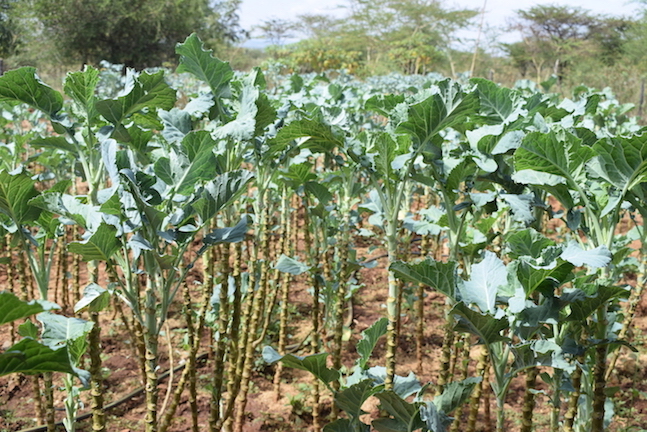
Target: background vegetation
x: 376, y: 37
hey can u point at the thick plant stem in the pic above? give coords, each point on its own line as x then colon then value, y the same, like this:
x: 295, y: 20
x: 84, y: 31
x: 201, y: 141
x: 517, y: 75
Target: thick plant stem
x: 50, y: 413
x: 475, y: 398
x: 315, y: 343
x: 600, y: 372
x: 529, y: 400
x: 283, y: 331
x: 151, y: 342
x: 193, y: 343
x: 76, y: 268
x: 420, y: 327
x: 392, y: 311
x: 236, y: 339
x: 464, y: 348
x: 425, y: 250
x: 634, y: 301
x: 188, y: 373
x: 96, y: 384
x: 65, y: 286
x: 573, y: 400
x: 487, y: 414
x: 555, y: 410
x: 599, y: 385
x: 343, y: 246
x: 221, y: 339
x: 445, y: 353
x: 38, y: 397
x: 151, y: 383
x: 57, y: 277
x: 23, y: 279
x: 251, y: 327
x: 284, y: 289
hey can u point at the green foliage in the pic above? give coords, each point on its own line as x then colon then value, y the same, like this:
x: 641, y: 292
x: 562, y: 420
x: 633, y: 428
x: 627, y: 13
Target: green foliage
x: 30, y: 356
x: 166, y: 183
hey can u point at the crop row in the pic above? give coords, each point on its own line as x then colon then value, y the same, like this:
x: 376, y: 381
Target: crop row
x: 230, y: 174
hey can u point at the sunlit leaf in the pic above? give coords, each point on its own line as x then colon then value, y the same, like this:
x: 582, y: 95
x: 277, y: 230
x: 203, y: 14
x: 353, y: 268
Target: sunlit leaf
x: 436, y: 274
x: 23, y: 85
x: 201, y: 63
x: 370, y: 337
x: 14, y: 309
x: 315, y: 364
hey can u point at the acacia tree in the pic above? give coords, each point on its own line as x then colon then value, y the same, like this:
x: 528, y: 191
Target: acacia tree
x: 554, y: 37
x: 276, y: 30
x: 404, y: 35
x: 404, y: 31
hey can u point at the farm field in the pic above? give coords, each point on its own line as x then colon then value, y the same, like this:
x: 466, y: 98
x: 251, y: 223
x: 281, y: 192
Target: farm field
x: 318, y: 252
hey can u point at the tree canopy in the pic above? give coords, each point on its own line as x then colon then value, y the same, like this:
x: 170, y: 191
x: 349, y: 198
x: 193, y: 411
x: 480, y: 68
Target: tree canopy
x: 136, y: 33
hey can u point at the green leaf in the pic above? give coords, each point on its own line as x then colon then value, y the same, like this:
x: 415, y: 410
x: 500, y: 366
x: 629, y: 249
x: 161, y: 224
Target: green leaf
x: 61, y: 331
x: 438, y: 275
x: 86, y: 215
x: 455, y: 394
x: 485, y: 326
x: 265, y: 115
x: 14, y: 309
x: 225, y: 235
x: 23, y: 85
x: 221, y: 192
x: 315, y: 364
x: 149, y: 92
x: 164, y: 171
x: 351, y: 399
x: 498, y: 104
x: 621, y: 161
x: 527, y: 242
x: 485, y: 280
x: 15, y: 193
x: 594, y: 258
x: 177, y: 123
x: 385, y: 149
x: 81, y: 87
x: 521, y: 207
x: 299, y: 174
x: 448, y: 107
x: 345, y: 425
x: 406, y: 415
x: 544, y: 279
x: 243, y: 127
x: 291, y: 265
x: 199, y: 62
x: 370, y: 337
x: 29, y: 330
x: 583, y: 308
x: 319, y: 191
x: 315, y: 136
x: 388, y: 425
x: 548, y: 154
x: 31, y: 357
x: 403, y: 386
x: 384, y: 104
x: 95, y: 298
x: 55, y: 142
x: 101, y: 246
x: 435, y: 420
x: 198, y: 147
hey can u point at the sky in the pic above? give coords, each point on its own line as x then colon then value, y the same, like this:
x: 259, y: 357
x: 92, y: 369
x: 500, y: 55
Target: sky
x: 253, y: 12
